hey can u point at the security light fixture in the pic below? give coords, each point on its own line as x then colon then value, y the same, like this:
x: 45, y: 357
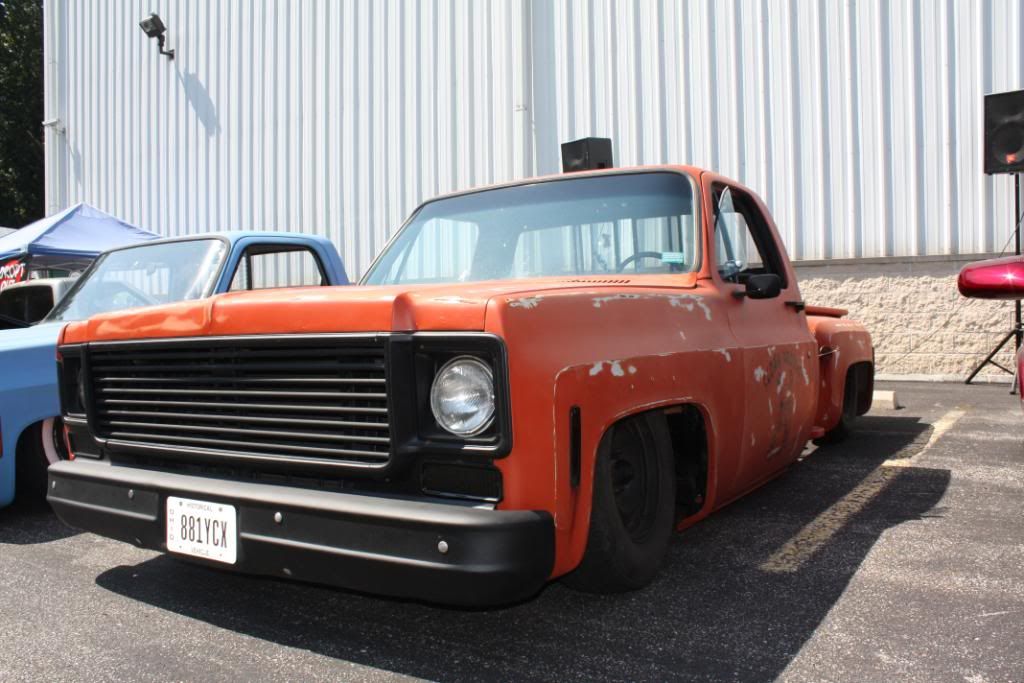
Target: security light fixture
x: 154, y: 27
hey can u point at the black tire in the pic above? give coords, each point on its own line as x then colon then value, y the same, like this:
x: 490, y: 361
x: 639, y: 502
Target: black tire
x: 849, y: 414
x: 30, y: 466
x: 633, y: 509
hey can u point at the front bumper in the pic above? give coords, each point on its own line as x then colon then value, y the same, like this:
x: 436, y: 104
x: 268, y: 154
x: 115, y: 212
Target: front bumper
x: 367, y: 543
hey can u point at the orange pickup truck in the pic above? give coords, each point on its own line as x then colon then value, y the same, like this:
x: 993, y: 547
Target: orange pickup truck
x: 536, y: 380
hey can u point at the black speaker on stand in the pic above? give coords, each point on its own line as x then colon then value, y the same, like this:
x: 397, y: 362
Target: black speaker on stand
x: 586, y: 154
x: 1004, y: 153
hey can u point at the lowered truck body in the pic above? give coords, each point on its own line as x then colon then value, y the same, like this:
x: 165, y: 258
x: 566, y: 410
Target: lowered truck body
x: 537, y: 380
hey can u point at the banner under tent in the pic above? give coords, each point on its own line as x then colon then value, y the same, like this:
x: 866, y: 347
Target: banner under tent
x: 67, y: 241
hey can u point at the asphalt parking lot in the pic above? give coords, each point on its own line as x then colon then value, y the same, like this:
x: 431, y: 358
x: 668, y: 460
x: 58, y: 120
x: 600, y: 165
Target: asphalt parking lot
x: 898, y: 555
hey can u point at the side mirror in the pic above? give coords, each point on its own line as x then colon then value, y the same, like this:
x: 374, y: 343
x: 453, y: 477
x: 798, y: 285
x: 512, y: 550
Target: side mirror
x: 765, y: 286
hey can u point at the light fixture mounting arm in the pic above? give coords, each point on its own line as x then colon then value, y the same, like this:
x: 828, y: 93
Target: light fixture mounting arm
x: 160, y: 44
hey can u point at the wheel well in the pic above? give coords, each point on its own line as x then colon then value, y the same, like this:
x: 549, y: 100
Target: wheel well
x: 22, y: 442
x: 690, y: 451
x: 863, y: 376
x: 29, y: 463
x: 26, y: 443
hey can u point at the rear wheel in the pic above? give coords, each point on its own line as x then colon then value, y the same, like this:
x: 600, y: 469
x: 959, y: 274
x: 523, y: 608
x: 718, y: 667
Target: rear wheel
x: 632, y: 514
x: 848, y: 416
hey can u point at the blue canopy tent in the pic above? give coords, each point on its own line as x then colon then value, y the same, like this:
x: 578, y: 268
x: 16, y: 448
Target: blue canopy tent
x: 69, y: 240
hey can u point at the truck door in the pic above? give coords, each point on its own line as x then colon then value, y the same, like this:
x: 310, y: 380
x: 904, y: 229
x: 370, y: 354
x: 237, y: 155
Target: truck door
x: 780, y: 373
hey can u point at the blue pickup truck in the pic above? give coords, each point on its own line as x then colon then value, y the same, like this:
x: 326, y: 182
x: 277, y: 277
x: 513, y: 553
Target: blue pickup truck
x: 156, y: 272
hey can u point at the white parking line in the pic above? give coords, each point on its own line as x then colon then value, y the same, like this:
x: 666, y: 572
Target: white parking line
x: 941, y: 426
x: 795, y: 553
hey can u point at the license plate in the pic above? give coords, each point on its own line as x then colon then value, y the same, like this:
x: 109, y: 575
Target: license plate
x: 202, y: 529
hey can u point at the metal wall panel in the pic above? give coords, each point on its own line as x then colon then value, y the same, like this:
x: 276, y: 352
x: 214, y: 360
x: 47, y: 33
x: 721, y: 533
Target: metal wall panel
x: 858, y: 121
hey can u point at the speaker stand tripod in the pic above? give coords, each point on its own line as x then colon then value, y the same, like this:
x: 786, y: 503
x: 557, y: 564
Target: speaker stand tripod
x: 1017, y: 332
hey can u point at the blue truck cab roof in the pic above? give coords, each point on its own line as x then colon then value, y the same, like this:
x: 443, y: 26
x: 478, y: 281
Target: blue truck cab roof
x: 239, y: 240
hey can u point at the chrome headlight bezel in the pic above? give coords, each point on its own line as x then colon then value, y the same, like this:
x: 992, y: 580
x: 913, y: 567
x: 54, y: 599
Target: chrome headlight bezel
x: 415, y: 432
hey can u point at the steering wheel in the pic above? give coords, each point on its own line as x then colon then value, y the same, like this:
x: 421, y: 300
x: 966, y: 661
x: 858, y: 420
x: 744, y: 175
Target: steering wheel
x: 634, y: 257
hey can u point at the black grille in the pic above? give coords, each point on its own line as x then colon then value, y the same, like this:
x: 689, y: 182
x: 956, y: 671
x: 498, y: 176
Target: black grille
x: 318, y: 399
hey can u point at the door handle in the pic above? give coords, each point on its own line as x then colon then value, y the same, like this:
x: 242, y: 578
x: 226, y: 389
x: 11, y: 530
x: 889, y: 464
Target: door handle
x: 796, y: 305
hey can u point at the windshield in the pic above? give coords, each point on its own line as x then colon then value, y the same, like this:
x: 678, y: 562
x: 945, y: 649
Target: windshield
x: 143, y: 276
x: 621, y: 223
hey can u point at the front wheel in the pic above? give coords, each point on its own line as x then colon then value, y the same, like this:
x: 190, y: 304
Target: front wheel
x: 52, y: 439
x: 632, y: 513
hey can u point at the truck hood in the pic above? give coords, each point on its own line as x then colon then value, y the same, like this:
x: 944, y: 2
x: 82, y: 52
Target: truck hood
x: 311, y: 310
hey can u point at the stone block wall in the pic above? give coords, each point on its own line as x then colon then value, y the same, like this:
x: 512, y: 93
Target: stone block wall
x: 920, y: 324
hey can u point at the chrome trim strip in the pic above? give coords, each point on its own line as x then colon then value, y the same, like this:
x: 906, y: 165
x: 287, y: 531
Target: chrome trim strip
x: 228, y: 456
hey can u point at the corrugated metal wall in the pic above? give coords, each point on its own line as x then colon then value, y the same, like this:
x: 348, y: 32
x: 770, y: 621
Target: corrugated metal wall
x: 858, y: 121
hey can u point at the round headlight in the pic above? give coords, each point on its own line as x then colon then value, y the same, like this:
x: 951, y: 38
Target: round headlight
x: 462, y: 396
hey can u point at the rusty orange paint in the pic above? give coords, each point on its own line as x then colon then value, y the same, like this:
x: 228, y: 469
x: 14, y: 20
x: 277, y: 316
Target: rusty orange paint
x: 753, y: 369
x: 842, y: 343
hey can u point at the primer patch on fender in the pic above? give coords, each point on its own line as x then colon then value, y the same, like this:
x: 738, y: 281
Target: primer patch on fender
x: 601, y: 300
x: 613, y: 365
x: 525, y: 302
x: 688, y: 302
x: 453, y: 300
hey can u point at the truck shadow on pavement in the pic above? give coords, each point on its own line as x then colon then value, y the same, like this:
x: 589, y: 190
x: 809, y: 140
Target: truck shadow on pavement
x: 31, y: 521
x: 739, y: 595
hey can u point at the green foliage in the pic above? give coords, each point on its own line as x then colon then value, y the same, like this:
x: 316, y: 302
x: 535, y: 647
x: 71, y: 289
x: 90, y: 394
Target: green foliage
x: 21, y: 112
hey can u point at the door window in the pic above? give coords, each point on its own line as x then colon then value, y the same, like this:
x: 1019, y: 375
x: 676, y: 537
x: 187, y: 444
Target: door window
x: 270, y: 266
x: 743, y: 242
